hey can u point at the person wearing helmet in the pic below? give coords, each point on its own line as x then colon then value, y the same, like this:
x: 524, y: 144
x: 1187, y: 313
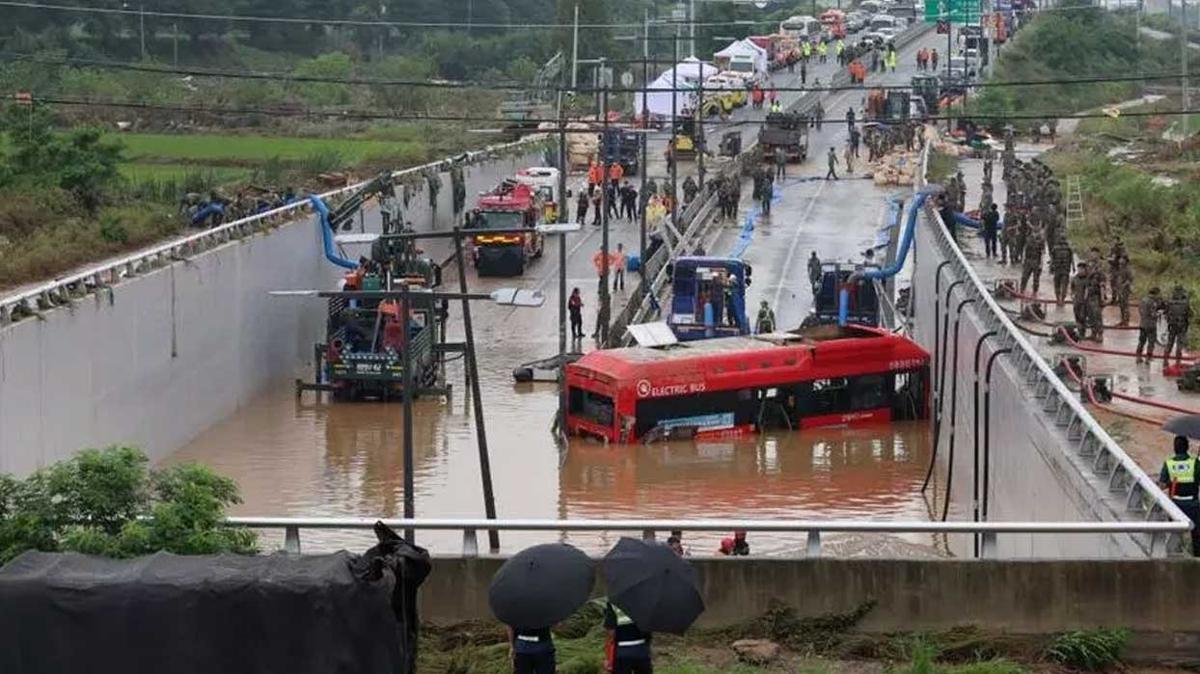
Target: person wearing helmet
x: 766, y: 319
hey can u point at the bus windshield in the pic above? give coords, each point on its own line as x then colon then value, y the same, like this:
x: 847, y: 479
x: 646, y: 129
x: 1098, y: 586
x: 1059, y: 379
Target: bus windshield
x: 590, y: 406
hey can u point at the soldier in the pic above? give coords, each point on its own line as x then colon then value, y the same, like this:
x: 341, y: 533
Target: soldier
x: 1122, y: 287
x: 1097, y: 269
x: 1149, y: 308
x: 1031, y: 265
x: 1179, y: 316
x: 1095, y: 302
x: 961, y: 199
x: 1079, y: 288
x: 690, y: 190
x: 1062, y: 263
x: 1020, y: 228
x: 766, y: 191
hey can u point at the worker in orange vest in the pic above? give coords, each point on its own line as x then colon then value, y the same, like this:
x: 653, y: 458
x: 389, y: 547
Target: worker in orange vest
x: 616, y: 172
x: 595, y: 175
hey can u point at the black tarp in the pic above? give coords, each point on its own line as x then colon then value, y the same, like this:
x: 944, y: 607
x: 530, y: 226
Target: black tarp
x: 226, y: 614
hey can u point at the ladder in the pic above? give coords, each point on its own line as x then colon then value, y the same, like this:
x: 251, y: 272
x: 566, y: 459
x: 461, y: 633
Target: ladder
x: 1074, y: 201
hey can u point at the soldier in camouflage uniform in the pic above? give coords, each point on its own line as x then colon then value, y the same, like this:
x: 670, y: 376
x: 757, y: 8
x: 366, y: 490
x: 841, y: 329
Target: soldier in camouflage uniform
x: 1020, y: 230
x: 1079, y: 289
x: 1179, y: 317
x: 1122, y: 287
x: 1095, y: 301
x: 1149, y: 309
x: 1062, y: 261
x: 1031, y: 265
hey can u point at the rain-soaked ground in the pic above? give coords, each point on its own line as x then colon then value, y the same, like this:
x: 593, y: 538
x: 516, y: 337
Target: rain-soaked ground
x: 310, y: 457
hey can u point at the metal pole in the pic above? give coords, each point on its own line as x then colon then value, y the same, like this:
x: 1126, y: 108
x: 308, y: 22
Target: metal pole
x: 1183, y: 57
x: 701, y: 139
x: 175, y: 37
x: 949, y: 52
x: 692, y: 27
x: 562, y: 271
x: 575, y: 49
x: 485, y: 464
x: 409, y: 469
x: 142, y: 27
x: 674, y: 122
x: 645, y: 163
x: 605, y: 296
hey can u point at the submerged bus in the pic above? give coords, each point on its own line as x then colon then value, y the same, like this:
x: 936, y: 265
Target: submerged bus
x: 816, y: 377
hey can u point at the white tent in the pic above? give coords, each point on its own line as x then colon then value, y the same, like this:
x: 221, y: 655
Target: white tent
x: 685, y: 75
x: 744, y: 51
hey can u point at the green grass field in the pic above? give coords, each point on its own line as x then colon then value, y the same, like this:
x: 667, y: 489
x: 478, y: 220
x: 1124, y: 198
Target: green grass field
x: 135, y: 172
x: 246, y: 149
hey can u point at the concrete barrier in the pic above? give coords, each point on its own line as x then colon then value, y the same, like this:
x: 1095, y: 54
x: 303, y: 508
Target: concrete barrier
x: 1027, y: 597
x: 158, y: 358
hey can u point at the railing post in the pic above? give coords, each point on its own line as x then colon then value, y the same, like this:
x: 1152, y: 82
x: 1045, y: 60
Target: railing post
x: 812, y: 548
x: 470, y: 543
x: 988, y: 551
x: 1158, y: 545
x: 291, y: 539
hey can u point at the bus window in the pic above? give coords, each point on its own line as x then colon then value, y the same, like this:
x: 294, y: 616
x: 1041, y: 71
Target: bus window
x: 729, y: 408
x: 867, y: 392
x: 590, y: 406
x: 909, y: 399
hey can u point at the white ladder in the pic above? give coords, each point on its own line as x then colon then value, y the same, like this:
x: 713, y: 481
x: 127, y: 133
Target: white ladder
x: 1074, y: 201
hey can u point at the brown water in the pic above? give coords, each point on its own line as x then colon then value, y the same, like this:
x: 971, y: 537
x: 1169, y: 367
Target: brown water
x: 343, y: 459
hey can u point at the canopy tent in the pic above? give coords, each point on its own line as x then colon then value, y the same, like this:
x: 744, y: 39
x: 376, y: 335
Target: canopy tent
x: 743, y: 50
x: 685, y: 75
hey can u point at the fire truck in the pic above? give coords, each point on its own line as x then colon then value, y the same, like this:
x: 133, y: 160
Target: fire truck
x: 511, y: 205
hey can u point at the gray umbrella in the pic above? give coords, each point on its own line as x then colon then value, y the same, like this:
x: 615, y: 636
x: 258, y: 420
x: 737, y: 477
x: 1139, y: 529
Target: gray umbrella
x: 1187, y: 425
x: 541, y: 586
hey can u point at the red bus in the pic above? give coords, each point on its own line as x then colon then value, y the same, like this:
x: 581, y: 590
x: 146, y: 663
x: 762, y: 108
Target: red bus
x: 817, y: 377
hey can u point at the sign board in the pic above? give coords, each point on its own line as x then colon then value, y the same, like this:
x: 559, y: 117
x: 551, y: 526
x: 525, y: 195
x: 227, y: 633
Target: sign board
x: 957, y: 11
x: 652, y: 334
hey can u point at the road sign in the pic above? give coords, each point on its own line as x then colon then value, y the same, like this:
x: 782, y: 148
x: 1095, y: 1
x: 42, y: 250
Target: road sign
x: 957, y: 11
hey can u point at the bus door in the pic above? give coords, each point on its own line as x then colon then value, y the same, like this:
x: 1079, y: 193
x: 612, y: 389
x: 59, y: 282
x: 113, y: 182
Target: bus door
x: 910, y: 398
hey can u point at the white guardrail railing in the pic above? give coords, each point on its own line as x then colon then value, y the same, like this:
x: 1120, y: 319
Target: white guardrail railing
x: 1092, y: 445
x: 62, y: 291
x: 812, y: 529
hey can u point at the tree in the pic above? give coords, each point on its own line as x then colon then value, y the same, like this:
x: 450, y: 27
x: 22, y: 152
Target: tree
x: 107, y: 502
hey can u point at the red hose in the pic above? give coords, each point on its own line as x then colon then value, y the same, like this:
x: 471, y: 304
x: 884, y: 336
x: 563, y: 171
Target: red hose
x: 1088, y: 390
x: 1112, y: 352
x: 1049, y: 300
x: 1154, y: 403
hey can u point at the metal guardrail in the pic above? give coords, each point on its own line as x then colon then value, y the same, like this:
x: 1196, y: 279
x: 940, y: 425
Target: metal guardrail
x: 62, y: 291
x: 813, y: 529
x: 1093, y: 445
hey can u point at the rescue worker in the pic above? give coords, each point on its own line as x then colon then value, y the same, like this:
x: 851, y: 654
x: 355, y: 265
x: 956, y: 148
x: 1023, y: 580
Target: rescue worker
x: 1062, y: 260
x: 766, y: 319
x: 1079, y: 290
x: 891, y: 60
x: 991, y: 228
x: 947, y: 213
x: 818, y: 115
x: 631, y: 646
x: 1031, y: 267
x: 1122, y: 288
x: 855, y: 140
x: 595, y: 175
x: 575, y: 309
x: 822, y: 51
x: 776, y: 106
x: 1095, y: 301
x: 1016, y: 228
x: 690, y: 190
x: 850, y: 119
x: 833, y: 160
x: 532, y: 650
x: 1178, y: 477
x: 848, y: 157
x: 1179, y: 317
x: 618, y: 267
x: 601, y: 262
x: 1148, y: 309
x: 840, y: 48
x: 814, y: 271
x: 615, y: 173
x: 581, y: 208
x: 933, y: 59
x: 804, y: 72
x: 780, y: 163
x: 766, y: 191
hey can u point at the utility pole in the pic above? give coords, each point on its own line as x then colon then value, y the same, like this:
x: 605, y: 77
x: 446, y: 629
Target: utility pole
x: 644, y: 165
x: 142, y: 26
x: 409, y: 464
x: 605, y: 308
x: 674, y: 125
x: 563, y: 217
x: 575, y: 49
x: 1183, y: 57
x: 175, y: 41
x: 692, y: 27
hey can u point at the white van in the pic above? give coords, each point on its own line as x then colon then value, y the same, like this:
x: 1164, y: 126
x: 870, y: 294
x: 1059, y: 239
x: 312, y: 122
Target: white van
x: 802, y: 27
x: 879, y: 21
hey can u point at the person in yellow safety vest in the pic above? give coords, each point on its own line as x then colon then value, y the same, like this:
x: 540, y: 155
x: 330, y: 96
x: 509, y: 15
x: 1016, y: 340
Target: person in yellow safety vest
x: 891, y: 60
x: 629, y: 646
x: 822, y: 51
x: 807, y: 50
x: 1178, y: 477
x: 776, y: 106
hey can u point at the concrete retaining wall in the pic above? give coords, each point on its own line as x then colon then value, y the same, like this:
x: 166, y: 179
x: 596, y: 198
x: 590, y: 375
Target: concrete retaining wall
x: 166, y: 355
x: 1013, y: 596
x: 1032, y: 475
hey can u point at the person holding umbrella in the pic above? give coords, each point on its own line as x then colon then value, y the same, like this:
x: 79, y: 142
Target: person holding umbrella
x: 650, y: 589
x: 534, y: 589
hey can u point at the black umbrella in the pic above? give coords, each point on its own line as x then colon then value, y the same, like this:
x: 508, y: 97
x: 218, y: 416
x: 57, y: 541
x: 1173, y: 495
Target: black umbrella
x: 1187, y: 425
x: 653, y: 586
x: 541, y: 586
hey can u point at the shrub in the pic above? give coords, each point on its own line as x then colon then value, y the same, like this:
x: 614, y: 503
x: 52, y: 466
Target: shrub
x: 1089, y: 650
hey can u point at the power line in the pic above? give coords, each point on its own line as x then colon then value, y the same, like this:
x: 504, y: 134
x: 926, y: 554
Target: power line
x: 337, y: 22
x: 504, y: 86
x: 363, y: 115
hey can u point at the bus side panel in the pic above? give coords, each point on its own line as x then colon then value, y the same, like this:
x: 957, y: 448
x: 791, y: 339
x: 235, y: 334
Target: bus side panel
x: 859, y: 418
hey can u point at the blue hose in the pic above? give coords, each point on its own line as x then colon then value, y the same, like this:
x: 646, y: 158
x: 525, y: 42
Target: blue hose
x: 327, y: 234
x: 843, y: 305
x: 972, y: 223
